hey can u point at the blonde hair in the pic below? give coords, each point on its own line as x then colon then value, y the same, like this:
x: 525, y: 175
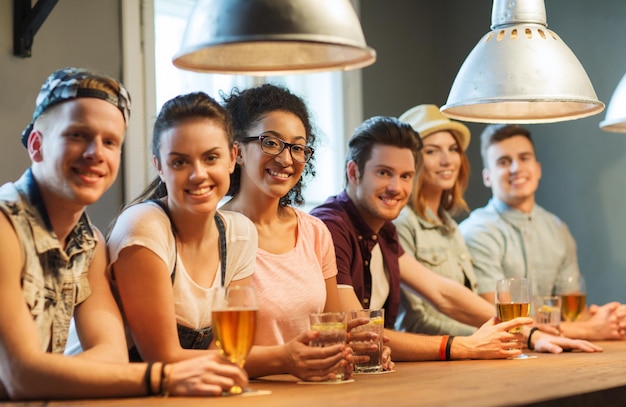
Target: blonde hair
x: 452, y: 200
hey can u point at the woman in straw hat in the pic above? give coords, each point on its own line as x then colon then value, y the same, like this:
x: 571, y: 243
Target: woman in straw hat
x: 425, y: 226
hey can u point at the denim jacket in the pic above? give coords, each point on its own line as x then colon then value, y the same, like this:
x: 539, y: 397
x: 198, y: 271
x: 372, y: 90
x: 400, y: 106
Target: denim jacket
x: 54, y: 280
x: 441, y: 248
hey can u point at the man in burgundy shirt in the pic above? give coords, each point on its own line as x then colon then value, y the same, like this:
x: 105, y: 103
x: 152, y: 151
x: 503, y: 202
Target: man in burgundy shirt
x: 383, y: 158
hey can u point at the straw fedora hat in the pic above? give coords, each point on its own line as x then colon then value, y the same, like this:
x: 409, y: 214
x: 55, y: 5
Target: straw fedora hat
x: 427, y: 119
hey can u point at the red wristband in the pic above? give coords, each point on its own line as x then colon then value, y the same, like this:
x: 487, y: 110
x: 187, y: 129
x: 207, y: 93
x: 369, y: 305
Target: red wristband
x: 442, y: 347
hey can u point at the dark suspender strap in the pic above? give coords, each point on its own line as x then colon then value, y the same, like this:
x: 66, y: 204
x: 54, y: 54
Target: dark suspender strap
x: 167, y: 212
x: 222, y: 230
x: 192, y: 338
x: 169, y: 216
x: 222, y: 239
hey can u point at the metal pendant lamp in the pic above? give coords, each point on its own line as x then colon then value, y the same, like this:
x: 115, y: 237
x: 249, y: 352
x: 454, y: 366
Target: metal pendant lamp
x: 521, y: 72
x: 273, y: 37
x: 615, y: 119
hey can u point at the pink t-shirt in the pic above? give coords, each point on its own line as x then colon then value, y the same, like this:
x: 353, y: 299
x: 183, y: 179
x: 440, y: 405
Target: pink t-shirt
x: 290, y: 286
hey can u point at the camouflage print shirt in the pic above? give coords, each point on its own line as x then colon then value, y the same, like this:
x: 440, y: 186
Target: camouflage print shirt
x: 54, y: 280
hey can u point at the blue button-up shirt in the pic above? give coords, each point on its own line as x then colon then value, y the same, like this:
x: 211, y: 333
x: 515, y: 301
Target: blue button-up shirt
x: 505, y: 242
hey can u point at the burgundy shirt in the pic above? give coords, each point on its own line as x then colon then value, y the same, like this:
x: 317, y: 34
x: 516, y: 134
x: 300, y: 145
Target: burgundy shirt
x: 354, y: 241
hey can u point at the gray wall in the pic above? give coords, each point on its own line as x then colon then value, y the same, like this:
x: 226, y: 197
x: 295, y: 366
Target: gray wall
x: 421, y: 44
x: 76, y: 33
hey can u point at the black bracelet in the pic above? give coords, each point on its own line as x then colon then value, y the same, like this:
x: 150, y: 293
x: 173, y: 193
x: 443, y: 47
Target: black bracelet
x: 165, y: 381
x: 530, y: 335
x: 449, y: 346
x: 148, y: 379
x: 162, y: 375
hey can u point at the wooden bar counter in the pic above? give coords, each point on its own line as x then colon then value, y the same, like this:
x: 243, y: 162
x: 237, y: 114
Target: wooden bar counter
x: 569, y: 379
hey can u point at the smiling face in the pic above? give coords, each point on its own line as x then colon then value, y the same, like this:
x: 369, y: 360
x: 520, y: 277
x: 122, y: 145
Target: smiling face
x: 384, y: 188
x: 441, y: 162
x: 273, y: 176
x: 76, y: 150
x: 195, y: 163
x: 513, y: 172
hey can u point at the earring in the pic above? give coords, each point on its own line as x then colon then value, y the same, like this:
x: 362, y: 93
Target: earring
x: 161, y: 187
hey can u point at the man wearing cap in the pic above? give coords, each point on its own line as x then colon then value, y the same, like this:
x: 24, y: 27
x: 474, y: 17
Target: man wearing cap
x: 512, y: 236
x: 426, y: 228
x: 52, y: 259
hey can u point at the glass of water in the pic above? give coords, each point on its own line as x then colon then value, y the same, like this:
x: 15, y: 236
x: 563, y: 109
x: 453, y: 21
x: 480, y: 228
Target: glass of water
x: 547, y: 313
x: 332, y: 327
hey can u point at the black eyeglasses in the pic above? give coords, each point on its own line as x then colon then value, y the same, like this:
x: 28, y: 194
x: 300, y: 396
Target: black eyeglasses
x: 272, y: 145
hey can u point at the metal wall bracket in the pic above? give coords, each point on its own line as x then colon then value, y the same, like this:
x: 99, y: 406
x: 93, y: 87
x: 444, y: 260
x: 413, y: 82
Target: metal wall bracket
x: 26, y: 21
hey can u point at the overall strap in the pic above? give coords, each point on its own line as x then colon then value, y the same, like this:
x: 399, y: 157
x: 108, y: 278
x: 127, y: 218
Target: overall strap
x: 222, y: 239
x: 169, y: 216
x: 222, y: 230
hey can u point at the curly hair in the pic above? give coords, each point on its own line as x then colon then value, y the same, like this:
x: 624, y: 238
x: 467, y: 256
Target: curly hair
x: 248, y: 107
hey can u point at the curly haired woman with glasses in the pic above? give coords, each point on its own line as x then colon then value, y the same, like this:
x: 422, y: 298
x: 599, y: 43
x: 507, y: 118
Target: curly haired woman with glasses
x: 295, y: 271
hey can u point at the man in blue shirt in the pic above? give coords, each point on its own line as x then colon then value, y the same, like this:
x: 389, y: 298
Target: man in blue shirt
x: 512, y: 236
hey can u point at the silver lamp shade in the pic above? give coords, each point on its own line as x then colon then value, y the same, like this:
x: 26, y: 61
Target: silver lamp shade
x: 521, y: 72
x: 615, y: 119
x: 273, y: 37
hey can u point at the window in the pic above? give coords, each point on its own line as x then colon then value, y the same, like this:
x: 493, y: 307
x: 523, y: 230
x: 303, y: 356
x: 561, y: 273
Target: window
x: 333, y: 98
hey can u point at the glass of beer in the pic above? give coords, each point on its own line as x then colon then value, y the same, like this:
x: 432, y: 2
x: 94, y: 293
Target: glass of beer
x: 234, y: 322
x: 513, y: 301
x: 571, y: 288
x: 332, y: 327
